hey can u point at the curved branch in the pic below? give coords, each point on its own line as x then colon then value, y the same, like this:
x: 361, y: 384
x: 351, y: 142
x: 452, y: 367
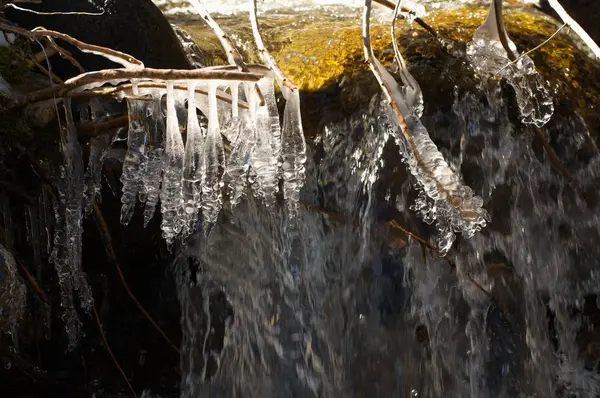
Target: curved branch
x: 233, y: 55
x: 502, y: 35
x: 419, y: 21
x: 126, y: 60
x: 265, y: 55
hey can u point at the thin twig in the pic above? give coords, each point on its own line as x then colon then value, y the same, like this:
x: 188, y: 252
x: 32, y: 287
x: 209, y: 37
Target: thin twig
x: 566, y: 18
x: 94, y: 129
x: 107, y: 239
x: 47, y: 72
x: 233, y: 55
x: 533, y: 49
x: 265, y: 55
x: 55, y: 12
x: 33, y: 282
x: 65, y: 54
x: 554, y: 160
x: 103, y: 336
x: 126, y: 60
x: 417, y: 20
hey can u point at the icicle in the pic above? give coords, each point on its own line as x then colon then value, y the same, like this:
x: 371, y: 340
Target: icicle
x: 93, y: 175
x: 156, y: 157
x: 489, y: 58
x: 135, y: 158
x: 293, y: 149
x: 68, y: 209
x: 213, y: 155
x: 13, y: 293
x: 242, y: 144
x: 193, y: 163
x: 170, y: 195
x: 59, y: 259
x: 264, y: 163
x: 74, y: 206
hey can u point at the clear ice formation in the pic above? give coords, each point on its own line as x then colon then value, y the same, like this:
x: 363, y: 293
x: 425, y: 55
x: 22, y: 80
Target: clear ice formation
x: 293, y: 148
x: 242, y: 141
x: 443, y: 198
x: 67, y: 245
x: 155, y: 153
x: 190, y: 178
x: 193, y: 164
x: 171, y: 193
x: 214, y: 157
x: 93, y: 174
x: 135, y: 158
x: 264, y: 157
x: 242, y: 144
x: 489, y: 58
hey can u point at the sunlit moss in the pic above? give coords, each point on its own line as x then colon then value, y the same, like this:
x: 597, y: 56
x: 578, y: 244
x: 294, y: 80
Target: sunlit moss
x: 324, y: 52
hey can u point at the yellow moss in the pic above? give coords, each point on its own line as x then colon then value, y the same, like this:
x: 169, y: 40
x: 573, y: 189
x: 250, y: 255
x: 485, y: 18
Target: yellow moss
x: 322, y: 52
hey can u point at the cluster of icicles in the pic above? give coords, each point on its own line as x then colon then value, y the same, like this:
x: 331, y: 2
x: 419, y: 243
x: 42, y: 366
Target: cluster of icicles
x: 443, y: 197
x: 490, y: 59
x: 190, y: 179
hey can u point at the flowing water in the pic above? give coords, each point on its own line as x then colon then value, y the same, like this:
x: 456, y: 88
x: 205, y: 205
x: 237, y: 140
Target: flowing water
x: 324, y: 306
x: 327, y: 304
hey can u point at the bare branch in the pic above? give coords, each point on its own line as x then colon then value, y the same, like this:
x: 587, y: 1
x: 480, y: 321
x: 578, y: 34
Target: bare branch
x: 112, y: 356
x: 264, y: 53
x: 126, y: 60
x: 419, y: 21
x: 502, y: 35
x: 233, y: 55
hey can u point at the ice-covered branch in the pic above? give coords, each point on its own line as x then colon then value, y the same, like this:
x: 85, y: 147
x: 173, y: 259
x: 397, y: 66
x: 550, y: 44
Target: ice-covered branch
x: 492, y: 53
x: 455, y: 208
x: 293, y: 145
x: 94, y: 80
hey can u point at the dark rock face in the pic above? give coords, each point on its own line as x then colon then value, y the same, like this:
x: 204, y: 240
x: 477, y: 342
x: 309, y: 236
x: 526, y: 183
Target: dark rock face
x: 136, y: 27
x: 585, y: 12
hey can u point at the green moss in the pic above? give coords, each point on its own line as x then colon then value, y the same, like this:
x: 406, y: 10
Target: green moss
x: 13, y: 64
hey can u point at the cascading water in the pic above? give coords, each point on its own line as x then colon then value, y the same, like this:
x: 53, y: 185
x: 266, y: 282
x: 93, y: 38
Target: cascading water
x: 326, y: 305
x: 320, y: 291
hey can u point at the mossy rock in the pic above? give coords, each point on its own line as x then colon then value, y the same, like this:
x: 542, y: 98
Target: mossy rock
x: 14, y: 62
x: 323, y: 55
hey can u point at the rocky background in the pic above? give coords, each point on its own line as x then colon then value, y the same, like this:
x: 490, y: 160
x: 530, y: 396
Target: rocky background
x: 41, y: 366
